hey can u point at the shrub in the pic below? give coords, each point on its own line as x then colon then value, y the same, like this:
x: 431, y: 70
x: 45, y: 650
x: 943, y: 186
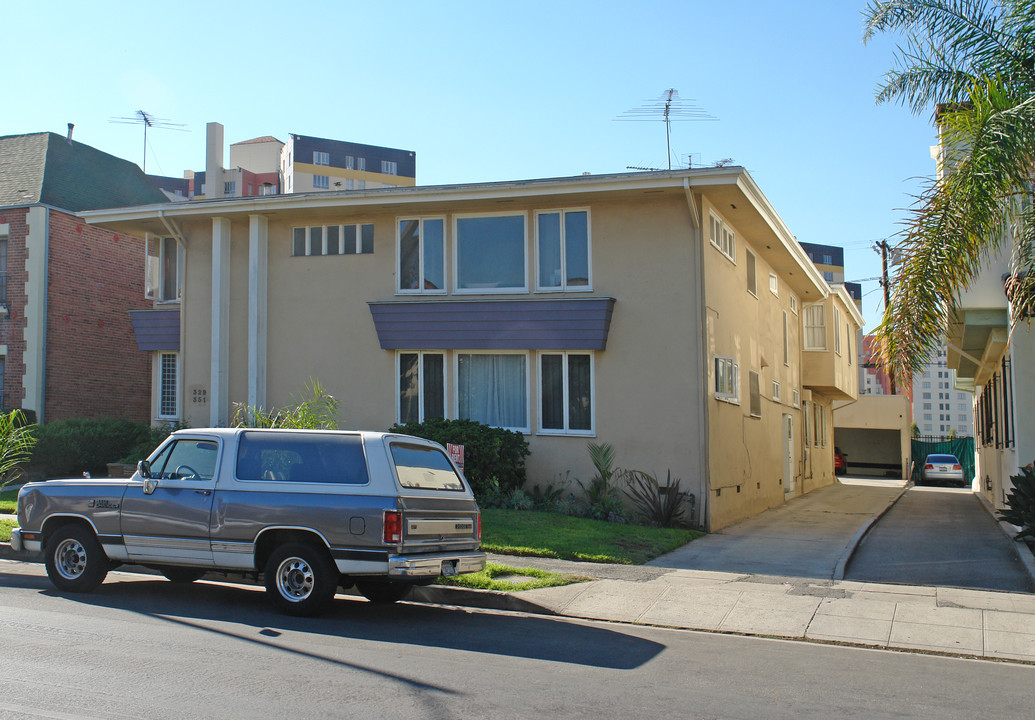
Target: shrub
x: 78, y: 445
x: 17, y: 437
x: 312, y: 409
x: 602, y: 491
x: 1021, y: 503
x: 494, y: 459
x: 155, y: 437
x: 659, y: 505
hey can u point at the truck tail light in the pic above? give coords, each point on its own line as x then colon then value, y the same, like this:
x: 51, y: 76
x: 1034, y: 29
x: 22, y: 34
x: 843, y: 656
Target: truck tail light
x: 393, y: 527
x: 479, y: 527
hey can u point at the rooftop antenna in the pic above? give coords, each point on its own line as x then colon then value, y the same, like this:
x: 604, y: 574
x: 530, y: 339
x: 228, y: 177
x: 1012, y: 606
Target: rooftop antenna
x: 670, y: 108
x: 148, y: 121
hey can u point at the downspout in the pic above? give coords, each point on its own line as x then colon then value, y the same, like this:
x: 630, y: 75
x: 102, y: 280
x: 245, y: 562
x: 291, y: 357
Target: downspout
x: 697, y: 241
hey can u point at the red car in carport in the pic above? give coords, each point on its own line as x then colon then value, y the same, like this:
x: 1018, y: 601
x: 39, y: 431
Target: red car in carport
x: 840, y: 462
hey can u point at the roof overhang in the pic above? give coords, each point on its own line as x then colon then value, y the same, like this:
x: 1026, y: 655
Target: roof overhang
x: 976, y: 341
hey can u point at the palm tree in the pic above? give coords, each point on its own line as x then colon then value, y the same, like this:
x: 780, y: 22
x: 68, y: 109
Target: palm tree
x: 973, y: 63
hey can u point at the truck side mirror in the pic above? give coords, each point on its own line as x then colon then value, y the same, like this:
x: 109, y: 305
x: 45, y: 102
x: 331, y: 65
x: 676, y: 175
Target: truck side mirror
x: 144, y: 469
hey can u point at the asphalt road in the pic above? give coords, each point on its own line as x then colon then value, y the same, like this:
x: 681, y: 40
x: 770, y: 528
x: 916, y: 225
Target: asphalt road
x: 143, y: 647
x: 939, y: 536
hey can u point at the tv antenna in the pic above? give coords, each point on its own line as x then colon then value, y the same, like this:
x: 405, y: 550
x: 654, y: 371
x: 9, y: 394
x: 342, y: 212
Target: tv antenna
x: 148, y: 121
x: 670, y: 108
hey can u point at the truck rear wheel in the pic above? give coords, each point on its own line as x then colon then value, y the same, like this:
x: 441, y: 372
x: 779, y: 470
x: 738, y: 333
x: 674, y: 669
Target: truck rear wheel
x: 383, y: 592
x: 75, y: 559
x: 301, y: 579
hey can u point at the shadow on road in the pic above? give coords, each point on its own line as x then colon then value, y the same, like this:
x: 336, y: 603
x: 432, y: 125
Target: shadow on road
x: 198, y: 604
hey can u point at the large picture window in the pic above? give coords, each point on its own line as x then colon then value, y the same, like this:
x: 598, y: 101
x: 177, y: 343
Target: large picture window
x: 493, y: 389
x: 566, y: 393
x: 421, y: 253
x: 421, y: 386
x: 490, y: 253
x: 562, y: 249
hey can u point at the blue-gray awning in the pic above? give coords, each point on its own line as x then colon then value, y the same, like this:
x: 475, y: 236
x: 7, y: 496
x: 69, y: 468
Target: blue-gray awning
x: 561, y: 324
x: 156, y: 329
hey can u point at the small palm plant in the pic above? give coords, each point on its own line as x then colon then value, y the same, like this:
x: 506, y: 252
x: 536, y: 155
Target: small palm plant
x: 17, y: 438
x: 602, y: 490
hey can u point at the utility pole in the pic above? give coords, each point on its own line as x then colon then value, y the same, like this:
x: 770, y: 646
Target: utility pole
x: 884, y: 249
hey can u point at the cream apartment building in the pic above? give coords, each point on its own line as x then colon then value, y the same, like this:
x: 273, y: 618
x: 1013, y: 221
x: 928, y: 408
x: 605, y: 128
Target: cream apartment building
x: 671, y: 314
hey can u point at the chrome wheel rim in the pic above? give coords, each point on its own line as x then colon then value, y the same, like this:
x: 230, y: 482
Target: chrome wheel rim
x: 70, y: 559
x: 295, y: 579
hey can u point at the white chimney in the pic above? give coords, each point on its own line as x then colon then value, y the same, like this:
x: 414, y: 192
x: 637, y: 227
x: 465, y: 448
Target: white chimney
x: 213, y: 160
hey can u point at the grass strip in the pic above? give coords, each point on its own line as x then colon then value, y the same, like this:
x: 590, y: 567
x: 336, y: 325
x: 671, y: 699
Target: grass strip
x: 490, y: 579
x: 7, y: 524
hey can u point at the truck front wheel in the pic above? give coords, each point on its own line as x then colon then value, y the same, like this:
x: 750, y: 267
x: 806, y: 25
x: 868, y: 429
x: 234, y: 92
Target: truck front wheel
x: 301, y: 579
x: 75, y: 560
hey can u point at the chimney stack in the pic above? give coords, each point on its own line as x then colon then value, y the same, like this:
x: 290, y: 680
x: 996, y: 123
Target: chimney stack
x: 71, y: 126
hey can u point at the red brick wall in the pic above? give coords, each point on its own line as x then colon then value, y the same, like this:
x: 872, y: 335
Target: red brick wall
x: 12, y: 324
x: 93, y: 365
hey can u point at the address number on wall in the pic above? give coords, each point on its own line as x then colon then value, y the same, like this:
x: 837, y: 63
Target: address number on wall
x: 198, y: 395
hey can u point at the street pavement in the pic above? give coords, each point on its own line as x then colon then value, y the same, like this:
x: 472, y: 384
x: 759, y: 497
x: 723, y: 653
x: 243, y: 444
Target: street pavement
x: 784, y: 577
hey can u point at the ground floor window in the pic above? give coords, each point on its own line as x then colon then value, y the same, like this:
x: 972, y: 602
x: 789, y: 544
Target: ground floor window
x: 493, y: 389
x: 566, y: 393
x: 421, y: 386
x: 168, y: 407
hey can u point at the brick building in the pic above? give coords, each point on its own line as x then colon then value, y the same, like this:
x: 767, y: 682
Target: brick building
x: 67, y: 347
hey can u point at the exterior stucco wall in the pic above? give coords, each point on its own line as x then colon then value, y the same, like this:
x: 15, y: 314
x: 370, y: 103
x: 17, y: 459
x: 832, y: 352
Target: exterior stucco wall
x: 747, y: 454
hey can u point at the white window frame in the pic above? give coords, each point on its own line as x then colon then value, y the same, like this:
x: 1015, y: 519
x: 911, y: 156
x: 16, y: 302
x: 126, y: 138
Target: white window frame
x: 776, y: 391
x: 837, y: 330
x: 809, y: 310
x: 564, y: 287
x: 796, y: 398
x: 794, y: 304
x: 321, y: 158
x: 728, y: 391
x: 154, y: 278
x: 161, y: 385
x: 751, y: 269
x: 350, y: 162
x: 565, y: 354
x: 421, y: 354
x: 774, y: 284
x: 723, y: 238
x: 389, y: 167
x: 457, y: 290
x: 421, y: 219
x: 322, y: 182
x: 361, y: 163
x: 528, y: 383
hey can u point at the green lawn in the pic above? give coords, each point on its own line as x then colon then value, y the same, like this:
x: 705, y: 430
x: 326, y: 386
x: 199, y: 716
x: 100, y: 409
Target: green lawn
x: 544, y: 534
x: 7, y: 523
x: 509, y: 579
x: 8, y: 501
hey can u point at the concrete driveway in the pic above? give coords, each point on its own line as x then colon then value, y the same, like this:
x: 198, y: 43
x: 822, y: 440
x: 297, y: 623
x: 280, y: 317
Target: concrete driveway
x: 939, y: 536
x: 810, y: 536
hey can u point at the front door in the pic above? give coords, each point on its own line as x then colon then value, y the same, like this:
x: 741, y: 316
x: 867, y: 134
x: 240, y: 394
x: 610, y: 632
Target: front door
x: 172, y: 523
x: 788, y: 455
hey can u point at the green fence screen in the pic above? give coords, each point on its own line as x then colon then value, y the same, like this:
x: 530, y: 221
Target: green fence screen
x: 962, y: 447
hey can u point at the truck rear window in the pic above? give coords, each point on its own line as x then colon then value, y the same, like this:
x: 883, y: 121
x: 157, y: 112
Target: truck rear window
x: 424, y: 468
x: 301, y: 457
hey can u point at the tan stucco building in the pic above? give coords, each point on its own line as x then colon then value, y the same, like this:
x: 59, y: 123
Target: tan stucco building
x: 671, y: 314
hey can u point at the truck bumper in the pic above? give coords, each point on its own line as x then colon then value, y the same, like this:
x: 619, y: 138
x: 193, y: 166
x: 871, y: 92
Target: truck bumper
x: 16, y: 540
x: 424, y: 566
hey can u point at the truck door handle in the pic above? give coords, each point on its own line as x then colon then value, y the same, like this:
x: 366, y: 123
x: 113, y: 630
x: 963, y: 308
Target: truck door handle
x: 203, y: 492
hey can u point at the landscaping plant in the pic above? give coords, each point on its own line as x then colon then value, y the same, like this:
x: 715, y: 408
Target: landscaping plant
x: 660, y: 505
x: 313, y: 409
x: 16, y: 442
x: 601, y: 491
x: 1021, y: 503
x: 77, y: 445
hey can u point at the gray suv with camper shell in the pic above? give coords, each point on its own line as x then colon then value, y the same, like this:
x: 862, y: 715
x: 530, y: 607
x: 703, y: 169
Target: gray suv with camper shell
x: 309, y: 510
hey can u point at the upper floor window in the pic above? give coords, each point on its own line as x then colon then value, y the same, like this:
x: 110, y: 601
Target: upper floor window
x: 794, y: 305
x: 163, y: 270
x: 774, y: 284
x: 562, y: 250
x: 786, y: 340
x: 752, y: 275
x: 489, y: 251
x: 321, y: 158
x: 333, y: 240
x: 321, y: 182
x: 350, y: 162
x: 828, y: 276
x: 361, y: 163
x: 267, y: 189
x: 723, y: 238
x: 389, y: 167
x: 230, y: 187
x: 421, y: 255
x: 815, y: 327
x: 727, y: 379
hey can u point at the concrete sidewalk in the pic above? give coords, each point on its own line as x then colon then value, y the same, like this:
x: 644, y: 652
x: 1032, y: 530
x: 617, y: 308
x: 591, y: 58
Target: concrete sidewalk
x: 816, y: 606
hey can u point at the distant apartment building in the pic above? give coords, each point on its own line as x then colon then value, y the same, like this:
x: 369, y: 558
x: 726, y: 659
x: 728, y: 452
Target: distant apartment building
x: 267, y: 166
x: 938, y: 408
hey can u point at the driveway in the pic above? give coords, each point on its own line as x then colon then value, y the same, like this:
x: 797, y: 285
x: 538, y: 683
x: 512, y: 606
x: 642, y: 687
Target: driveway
x: 806, y: 537
x: 939, y: 536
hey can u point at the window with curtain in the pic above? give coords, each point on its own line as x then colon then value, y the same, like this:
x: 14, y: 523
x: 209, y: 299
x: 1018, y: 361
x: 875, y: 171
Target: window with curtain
x: 566, y: 393
x: 421, y: 386
x: 815, y: 328
x: 493, y: 389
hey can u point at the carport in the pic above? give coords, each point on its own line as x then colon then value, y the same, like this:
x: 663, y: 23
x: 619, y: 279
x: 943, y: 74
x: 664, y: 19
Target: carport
x: 874, y: 433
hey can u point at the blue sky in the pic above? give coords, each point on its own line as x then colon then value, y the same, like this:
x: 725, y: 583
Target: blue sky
x: 492, y: 90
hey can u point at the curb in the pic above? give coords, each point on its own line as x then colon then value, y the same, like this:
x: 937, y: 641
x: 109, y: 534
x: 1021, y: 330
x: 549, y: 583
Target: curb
x: 1027, y: 558
x: 433, y: 594
x: 853, y: 544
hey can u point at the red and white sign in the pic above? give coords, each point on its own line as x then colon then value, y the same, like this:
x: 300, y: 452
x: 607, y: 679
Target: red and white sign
x: 456, y: 454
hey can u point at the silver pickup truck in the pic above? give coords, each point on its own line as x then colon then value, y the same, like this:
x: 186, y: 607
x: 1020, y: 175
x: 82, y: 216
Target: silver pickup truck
x: 309, y: 510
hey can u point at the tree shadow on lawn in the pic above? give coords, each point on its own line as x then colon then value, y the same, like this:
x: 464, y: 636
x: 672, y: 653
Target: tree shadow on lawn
x: 404, y: 623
